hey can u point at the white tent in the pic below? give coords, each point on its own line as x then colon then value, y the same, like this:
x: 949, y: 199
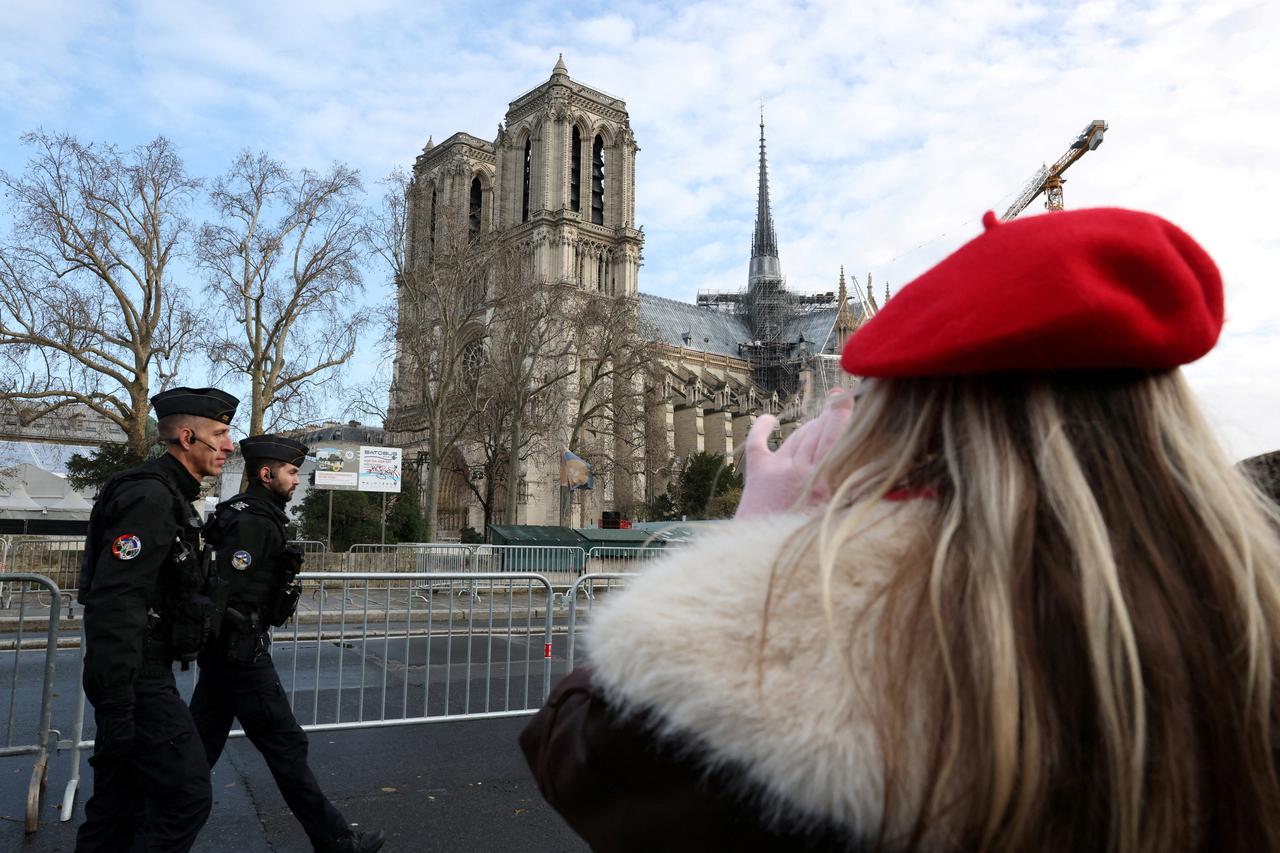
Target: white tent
x: 27, y: 491
x: 14, y: 500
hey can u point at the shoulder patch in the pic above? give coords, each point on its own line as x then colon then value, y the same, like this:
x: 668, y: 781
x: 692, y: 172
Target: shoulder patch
x: 126, y: 546
x: 240, y: 560
x: 239, y: 505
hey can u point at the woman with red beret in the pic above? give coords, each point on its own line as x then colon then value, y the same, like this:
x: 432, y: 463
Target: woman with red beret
x: 1017, y: 600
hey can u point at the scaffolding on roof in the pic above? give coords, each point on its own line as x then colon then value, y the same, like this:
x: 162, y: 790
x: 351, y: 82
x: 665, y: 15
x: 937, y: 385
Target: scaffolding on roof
x: 778, y: 350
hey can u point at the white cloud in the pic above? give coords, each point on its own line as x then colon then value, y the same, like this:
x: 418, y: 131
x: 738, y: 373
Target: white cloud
x: 891, y: 125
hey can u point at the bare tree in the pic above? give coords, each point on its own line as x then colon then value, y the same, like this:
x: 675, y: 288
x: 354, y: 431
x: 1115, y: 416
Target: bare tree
x: 284, y: 255
x: 512, y: 423
x: 437, y: 326
x: 87, y: 312
x: 606, y: 422
x: 532, y: 351
x: 486, y: 439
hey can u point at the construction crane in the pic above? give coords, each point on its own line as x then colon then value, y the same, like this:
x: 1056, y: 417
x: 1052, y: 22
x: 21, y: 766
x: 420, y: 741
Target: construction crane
x: 1048, y: 179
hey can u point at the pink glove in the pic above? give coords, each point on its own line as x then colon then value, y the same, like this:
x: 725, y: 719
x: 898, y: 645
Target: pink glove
x: 775, y: 479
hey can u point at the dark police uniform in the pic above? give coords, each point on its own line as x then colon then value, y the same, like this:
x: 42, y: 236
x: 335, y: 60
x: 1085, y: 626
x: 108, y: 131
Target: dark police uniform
x: 151, y: 780
x: 238, y: 679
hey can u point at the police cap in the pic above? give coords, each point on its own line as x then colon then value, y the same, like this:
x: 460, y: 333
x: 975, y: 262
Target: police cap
x: 263, y: 447
x: 210, y: 403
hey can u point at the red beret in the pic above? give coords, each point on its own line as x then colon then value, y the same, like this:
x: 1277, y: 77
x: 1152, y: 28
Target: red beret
x: 1073, y: 290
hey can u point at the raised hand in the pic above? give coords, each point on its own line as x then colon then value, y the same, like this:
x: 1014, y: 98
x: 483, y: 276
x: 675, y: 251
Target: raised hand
x: 776, y: 478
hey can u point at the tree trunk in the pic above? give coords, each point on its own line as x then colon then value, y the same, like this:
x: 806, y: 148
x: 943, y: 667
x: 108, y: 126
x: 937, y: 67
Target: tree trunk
x: 489, y: 494
x: 137, y: 431
x: 257, y: 406
x: 566, y: 501
x: 432, y: 499
x: 513, y: 473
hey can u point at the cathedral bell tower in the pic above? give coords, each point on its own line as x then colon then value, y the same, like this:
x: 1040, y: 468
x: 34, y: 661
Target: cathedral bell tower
x: 566, y: 184
x: 451, y: 193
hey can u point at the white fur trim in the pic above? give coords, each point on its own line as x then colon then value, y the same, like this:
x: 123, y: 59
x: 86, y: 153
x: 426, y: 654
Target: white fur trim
x: 683, y: 642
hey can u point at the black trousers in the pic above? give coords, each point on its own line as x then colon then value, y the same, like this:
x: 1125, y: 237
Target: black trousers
x: 251, y: 693
x: 159, y: 796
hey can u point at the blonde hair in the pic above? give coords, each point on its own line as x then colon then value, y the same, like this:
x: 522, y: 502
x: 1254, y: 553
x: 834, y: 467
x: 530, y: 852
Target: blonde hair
x: 1086, y: 640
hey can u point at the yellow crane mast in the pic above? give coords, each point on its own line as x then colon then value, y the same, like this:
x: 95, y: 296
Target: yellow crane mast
x: 1049, y: 180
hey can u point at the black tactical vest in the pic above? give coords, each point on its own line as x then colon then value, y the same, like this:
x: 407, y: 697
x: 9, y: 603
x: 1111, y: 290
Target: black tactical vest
x: 257, y: 587
x: 188, y: 536
x: 185, y: 588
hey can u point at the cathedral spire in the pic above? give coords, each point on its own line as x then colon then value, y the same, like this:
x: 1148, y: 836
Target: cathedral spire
x: 764, y: 242
x: 845, y: 319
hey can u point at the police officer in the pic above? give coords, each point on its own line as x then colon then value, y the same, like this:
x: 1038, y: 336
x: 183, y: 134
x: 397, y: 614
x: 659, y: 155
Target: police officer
x: 237, y: 677
x: 144, y: 606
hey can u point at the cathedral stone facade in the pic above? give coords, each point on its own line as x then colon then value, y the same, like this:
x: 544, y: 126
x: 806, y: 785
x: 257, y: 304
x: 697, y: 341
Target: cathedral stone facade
x: 559, y: 179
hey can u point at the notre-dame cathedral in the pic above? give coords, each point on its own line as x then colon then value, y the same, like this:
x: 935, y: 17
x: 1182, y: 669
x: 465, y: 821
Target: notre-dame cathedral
x: 559, y: 177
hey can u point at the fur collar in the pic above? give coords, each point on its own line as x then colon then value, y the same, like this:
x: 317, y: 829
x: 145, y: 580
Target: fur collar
x: 682, y: 643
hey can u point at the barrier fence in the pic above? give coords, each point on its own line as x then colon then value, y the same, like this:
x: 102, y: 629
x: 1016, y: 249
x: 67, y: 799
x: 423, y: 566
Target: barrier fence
x: 589, y: 588
x: 33, y: 661
x: 481, y: 635
x: 56, y: 558
x: 315, y: 554
x: 611, y: 559
x: 4, y: 567
x: 408, y: 557
x: 399, y: 648
x: 560, y: 564
x: 59, y: 559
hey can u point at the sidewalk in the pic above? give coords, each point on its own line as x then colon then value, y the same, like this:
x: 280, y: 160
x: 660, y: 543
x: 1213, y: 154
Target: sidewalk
x: 458, y: 787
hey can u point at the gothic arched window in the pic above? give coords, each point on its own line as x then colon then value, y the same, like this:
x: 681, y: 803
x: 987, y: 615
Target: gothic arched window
x: 597, y: 181
x: 473, y: 217
x: 528, y: 170
x: 473, y: 360
x: 575, y: 171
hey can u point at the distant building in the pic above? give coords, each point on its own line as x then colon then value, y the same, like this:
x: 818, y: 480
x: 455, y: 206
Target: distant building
x: 345, y: 438
x: 74, y: 425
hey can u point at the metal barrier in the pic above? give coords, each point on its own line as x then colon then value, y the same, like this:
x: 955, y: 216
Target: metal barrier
x: 315, y: 554
x: 4, y: 566
x: 591, y: 585
x: 25, y: 675
x: 383, y: 654
x: 560, y: 564
x: 408, y: 557
x: 57, y: 558
x: 610, y: 559
x: 417, y: 557
x: 76, y: 742
x: 388, y: 651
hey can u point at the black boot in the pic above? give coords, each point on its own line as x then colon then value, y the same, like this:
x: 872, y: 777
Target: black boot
x: 355, y: 842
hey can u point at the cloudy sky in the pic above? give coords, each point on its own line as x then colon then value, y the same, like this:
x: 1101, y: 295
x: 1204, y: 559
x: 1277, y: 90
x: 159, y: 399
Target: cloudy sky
x: 891, y: 126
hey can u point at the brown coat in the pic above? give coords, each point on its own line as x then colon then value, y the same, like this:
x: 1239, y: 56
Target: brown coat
x: 622, y: 789
x: 681, y: 735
